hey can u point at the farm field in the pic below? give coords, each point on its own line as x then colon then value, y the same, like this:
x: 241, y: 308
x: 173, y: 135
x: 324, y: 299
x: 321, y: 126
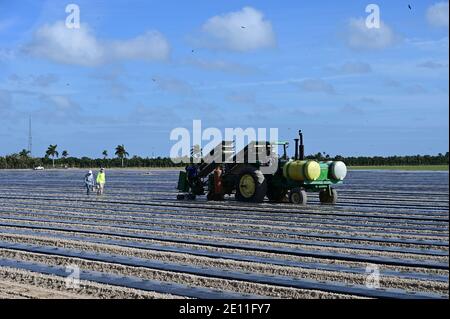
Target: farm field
x: 138, y: 241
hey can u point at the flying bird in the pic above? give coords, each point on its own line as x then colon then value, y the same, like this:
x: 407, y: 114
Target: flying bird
x: 242, y: 27
x: 409, y: 6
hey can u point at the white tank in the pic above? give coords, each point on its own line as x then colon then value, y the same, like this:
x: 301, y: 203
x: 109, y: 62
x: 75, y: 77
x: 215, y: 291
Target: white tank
x: 338, y: 170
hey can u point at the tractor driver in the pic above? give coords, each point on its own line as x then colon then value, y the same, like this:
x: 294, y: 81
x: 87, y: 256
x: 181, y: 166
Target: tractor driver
x: 192, y: 173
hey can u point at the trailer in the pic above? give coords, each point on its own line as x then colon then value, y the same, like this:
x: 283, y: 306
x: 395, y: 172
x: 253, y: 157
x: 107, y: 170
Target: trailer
x: 257, y: 172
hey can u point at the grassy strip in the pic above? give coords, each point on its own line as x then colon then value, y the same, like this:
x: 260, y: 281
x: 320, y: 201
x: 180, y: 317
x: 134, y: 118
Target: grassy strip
x: 404, y: 167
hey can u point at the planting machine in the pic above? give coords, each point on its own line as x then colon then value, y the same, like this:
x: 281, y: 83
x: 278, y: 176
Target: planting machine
x: 256, y: 172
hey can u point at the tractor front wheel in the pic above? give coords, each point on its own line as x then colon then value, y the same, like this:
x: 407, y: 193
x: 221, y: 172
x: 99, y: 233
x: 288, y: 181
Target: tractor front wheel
x: 328, y: 196
x: 251, y: 186
x: 298, y: 196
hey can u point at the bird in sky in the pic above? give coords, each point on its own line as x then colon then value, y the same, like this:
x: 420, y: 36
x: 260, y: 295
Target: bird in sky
x: 409, y: 6
x: 242, y: 27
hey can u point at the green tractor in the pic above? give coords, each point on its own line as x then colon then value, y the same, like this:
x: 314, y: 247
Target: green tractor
x: 256, y: 173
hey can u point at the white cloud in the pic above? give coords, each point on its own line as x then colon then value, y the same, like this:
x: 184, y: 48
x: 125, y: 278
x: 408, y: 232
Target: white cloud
x: 150, y: 46
x: 360, y: 37
x: 243, y: 30
x: 391, y: 83
x: 317, y: 85
x: 6, y: 54
x: 111, y: 78
x: 44, y: 80
x: 63, y: 45
x: 437, y: 14
x: 151, y: 115
x: 241, y: 97
x: 440, y: 45
x: 369, y: 100
x: 351, y: 110
x: 351, y: 68
x: 415, y: 89
x: 60, y: 44
x: 62, y: 102
x: 38, y: 80
x: 173, y: 85
x: 222, y: 66
x: 432, y: 65
x: 59, y: 109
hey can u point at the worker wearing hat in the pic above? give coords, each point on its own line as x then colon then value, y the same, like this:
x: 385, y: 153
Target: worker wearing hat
x: 101, y: 180
x: 89, y: 182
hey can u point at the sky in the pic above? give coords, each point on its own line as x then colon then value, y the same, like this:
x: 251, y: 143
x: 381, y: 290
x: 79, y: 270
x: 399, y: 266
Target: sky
x: 135, y: 70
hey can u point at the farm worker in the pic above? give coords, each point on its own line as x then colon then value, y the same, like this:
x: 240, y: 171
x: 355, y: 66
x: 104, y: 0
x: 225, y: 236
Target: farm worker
x: 218, y: 188
x: 192, y: 172
x: 101, y: 180
x: 89, y: 182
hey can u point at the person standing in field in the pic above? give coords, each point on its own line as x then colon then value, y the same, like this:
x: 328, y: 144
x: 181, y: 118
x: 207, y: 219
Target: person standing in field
x: 101, y: 180
x: 89, y: 182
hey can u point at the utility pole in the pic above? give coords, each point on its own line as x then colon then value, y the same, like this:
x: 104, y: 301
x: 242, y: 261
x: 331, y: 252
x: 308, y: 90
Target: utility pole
x: 30, y: 138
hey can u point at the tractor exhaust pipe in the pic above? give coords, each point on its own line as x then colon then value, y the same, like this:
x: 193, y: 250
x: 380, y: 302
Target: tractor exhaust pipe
x: 301, y: 148
x: 296, y: 148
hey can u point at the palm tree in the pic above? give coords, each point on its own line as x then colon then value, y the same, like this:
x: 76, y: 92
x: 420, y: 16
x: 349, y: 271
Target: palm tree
x: 24, y: 153
x: 52, y: 152
x: 64, y: 155
x: 121, y: 152
x: 105, y: 156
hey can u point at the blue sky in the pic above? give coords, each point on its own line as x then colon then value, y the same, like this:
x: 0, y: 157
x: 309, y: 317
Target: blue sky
x: 135, y: 70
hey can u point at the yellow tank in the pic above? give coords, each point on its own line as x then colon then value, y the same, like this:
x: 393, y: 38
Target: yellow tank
x: 302, y: 170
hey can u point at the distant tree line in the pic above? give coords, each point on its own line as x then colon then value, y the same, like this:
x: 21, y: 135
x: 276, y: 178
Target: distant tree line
x: 16, y: 161
x: 440, y: 159
x: 51, y: 159
x: 23, y: 160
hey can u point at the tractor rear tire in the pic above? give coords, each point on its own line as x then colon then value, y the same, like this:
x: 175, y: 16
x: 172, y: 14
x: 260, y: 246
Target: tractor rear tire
x: 298, y: 196
x: 327, y: 198
x: 251, y: 186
